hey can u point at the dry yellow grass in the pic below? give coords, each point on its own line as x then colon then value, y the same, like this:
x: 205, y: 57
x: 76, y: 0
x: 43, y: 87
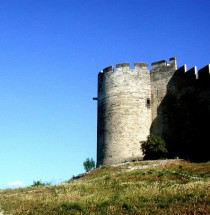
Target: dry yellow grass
x: 158, y: 187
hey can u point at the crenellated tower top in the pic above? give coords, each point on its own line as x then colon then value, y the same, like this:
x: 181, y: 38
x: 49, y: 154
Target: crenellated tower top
x: 123, y: 67
x: 163, y: 63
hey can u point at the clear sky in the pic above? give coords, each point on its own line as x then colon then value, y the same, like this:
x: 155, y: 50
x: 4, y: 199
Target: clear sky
x: 50, y: 54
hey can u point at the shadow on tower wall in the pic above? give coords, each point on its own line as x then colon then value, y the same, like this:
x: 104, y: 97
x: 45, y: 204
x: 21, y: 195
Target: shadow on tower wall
x: 183, y: 116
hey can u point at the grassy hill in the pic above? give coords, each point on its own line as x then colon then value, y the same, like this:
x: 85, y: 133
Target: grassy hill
x: 152, y: 187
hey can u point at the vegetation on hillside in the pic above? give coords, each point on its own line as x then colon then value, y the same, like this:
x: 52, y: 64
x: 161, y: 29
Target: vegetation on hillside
x: 154, y: 148
x: 146, y: 187
x: 89, y: 164
x: 40, y: 183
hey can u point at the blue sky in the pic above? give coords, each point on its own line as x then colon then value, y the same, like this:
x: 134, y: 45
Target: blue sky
x: 50, y: 54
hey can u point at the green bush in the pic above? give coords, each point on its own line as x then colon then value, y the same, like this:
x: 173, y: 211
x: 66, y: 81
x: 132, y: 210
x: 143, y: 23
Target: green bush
x: 89, y: 164
x: 154, y: 148
x: 40, y: 183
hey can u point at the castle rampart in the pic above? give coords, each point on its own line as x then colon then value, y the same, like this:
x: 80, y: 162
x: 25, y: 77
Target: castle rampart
x: 132, y: 103
x: 183, y: 112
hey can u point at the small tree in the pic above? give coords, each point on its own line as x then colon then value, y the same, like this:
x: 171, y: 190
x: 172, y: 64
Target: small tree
x: 154, y: 147
x: 40, y: 183
x: 89, y: 164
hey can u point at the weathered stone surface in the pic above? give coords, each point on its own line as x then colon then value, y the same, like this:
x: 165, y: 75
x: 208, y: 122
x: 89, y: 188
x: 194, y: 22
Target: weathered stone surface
x: 124, y: 117
x: 161, y: 74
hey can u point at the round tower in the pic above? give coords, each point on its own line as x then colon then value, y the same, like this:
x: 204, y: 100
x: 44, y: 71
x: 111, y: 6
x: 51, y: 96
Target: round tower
x: 124, y: 113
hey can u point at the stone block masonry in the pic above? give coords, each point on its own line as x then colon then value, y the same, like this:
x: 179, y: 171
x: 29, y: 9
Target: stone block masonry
x: 122, y: 112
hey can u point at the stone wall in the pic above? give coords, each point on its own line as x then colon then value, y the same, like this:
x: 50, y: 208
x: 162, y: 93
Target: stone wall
x: 183, y: 113
x: 169, y: 102
x: 190, y: 115
x: 161, y: 74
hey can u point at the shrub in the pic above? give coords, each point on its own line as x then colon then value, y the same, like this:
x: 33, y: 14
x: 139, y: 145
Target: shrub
x: 40, y: 183
x: 154, y: 147
x: 89, y: 164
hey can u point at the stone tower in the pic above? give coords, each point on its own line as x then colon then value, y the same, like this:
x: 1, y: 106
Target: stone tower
x: 127, y: 105
x: 124, y: 112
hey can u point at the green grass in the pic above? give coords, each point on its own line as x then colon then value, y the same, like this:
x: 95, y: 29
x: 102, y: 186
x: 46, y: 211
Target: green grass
x: 170, y: 187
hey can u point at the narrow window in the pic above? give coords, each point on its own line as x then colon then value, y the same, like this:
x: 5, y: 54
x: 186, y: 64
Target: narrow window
x: 148, y: 103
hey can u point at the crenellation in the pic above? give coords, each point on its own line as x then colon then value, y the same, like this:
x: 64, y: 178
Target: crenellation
x: 204, y: 72
x: 159, y: 64
x: 163, y: 66
x: 108, y: 69
x: 173, y: 62
x: 172, y: 59
x: 181, y: 70
x: 192, y: 74
x: 180, y: 75
x: 123, y: 66
x: 204, y: 77
x: 186, y: 78
x: 140, y: 65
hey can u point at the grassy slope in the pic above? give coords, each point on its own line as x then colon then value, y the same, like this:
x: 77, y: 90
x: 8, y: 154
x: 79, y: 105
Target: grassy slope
x: 158, y: 187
